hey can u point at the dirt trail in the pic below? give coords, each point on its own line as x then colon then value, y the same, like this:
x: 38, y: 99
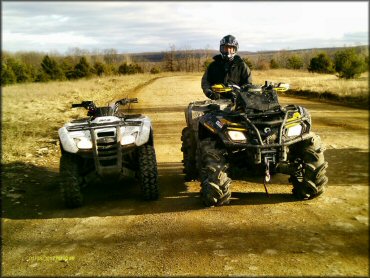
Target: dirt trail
x: 116, y: 233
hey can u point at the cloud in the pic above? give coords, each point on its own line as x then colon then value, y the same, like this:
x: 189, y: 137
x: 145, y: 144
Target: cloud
x: 153, y: 26
x: 62, y: 40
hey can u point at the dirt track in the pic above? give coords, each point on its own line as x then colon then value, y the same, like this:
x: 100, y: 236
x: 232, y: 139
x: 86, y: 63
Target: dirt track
x: 116, y: 233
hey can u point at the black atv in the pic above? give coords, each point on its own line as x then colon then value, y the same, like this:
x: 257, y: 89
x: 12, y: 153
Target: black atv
x: 248, y: 131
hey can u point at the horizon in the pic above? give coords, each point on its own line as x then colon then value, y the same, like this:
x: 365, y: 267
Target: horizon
x: 177, y: 50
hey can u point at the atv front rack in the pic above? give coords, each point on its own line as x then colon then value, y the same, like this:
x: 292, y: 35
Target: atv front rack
x: 107, y: 150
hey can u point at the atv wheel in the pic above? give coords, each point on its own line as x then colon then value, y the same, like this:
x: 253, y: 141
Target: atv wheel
x: 310, y: 178
x: 189, y: 148
x: 71, y: 180
x: 214, y: 180
x: 148, y: 173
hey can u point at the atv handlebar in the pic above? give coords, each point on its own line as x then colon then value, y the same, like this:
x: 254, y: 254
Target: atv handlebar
x: 233, y: 88
x: 85, y: 104
x: 280, y: 87
x: 109, y: 110
x: 125, y: 101
x: 88, y: 104
x: 232, y: 91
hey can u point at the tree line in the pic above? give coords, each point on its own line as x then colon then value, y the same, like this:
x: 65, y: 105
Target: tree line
x: 345, y: 63
x: 33, y: 68
x: 24, y: 67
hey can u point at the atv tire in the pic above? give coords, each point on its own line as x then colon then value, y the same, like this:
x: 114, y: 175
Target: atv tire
x: 310, y: 178
x: 215, y: 182
x: 189, y: 148
x: 148, y: 173
x: 71, y: 180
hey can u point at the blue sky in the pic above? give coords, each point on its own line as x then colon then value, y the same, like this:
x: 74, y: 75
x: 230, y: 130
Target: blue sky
x: 131, y: 27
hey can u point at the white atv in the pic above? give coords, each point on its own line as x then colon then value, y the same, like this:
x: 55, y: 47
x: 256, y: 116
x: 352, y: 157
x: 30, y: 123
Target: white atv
x: 107, y: 144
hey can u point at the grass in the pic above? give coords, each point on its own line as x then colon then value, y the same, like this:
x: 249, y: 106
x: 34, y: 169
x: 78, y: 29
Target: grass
x: 326, y: 86
x: 32, y: 113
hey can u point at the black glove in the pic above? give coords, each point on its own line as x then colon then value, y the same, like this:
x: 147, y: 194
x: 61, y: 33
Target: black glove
x: 246, y: 87
x: 212, y: 95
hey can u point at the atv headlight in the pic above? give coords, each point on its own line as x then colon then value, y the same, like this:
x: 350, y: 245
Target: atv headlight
x: 294, y: 130
x: 236, y: 135
x: 83, y: 143
x: 128, y: 139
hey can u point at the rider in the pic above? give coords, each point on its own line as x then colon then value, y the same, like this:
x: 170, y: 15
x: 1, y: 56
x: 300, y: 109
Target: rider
x: 227, y: 68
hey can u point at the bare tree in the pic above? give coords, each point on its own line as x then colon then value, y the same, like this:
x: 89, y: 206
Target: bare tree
x: 169, y: 59
x: 110, y: 56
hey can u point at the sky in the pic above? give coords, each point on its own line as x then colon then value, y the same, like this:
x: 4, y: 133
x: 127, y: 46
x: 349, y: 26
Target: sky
x: 155, y: 26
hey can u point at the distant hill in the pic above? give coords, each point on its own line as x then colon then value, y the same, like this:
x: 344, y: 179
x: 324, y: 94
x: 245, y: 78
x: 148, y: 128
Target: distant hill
x: 203, y: 53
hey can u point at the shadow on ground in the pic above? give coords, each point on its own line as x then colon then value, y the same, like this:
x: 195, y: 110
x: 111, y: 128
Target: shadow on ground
x: 30, y: 191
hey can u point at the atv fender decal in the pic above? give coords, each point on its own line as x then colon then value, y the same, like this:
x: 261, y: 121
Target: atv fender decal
x: 106, y: 119
x: 219, y: 124
x: 67, y: 142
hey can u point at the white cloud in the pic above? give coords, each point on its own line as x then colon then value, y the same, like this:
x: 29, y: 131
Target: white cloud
x: 42, y: 41
x: 152, y: 26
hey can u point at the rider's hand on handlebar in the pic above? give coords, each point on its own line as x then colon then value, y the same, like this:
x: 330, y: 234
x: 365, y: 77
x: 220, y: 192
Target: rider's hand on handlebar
x: 212, y: 95
x: 235, y: 87
x: 245, y: 87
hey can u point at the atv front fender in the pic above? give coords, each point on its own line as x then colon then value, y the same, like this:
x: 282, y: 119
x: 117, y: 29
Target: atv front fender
x: 67, y: 143
x: 145, y: 133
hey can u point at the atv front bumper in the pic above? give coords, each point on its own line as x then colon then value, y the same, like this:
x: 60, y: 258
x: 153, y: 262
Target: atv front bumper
x: 272, y: 152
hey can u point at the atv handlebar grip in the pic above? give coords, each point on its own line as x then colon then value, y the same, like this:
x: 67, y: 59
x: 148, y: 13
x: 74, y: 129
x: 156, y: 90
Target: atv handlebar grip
x: 85, y: 104
x: 127, y: 100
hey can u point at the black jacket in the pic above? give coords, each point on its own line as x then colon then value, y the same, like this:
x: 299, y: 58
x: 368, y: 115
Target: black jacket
x: 224, y: 72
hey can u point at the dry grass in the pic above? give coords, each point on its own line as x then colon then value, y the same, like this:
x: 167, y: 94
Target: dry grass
x: 324, y: 85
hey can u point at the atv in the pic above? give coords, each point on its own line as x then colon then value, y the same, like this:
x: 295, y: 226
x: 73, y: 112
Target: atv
x: 107, y: 144
x: 246, y: 131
